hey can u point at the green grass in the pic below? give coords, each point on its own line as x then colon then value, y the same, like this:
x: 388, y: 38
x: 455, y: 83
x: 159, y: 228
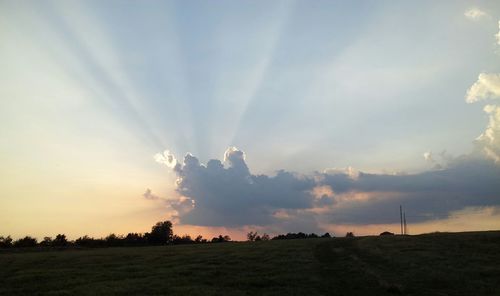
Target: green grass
x: 434, y: 264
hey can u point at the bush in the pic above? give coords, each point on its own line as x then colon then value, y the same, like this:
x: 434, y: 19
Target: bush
x: 386, y: 233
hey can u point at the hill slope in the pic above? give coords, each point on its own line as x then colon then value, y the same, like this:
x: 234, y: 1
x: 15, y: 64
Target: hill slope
x: 434, y: 264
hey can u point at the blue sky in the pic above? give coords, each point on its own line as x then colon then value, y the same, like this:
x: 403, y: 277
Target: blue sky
x: 90, y: 91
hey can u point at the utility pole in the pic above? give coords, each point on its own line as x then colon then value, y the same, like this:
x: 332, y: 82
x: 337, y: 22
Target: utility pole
x: 404, y: 221
x: 401, y: 217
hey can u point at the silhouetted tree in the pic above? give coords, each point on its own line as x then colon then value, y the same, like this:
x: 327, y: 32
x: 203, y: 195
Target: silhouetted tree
x: 326, y: 235
x: 349, y: 234
x: 161, y: 233
x: 46, y: 242
x: 113, y: 240
x: 299, y: 235
x: 84, y: 241
x: 25, y: 242
x: 60, y: 241
x: 251, y: 236
x: 185, y: 239
x: 5, y: 242
x: 221, y: 239
x: 199, y: 239
x: 135, y: 239
x: 89, y: 242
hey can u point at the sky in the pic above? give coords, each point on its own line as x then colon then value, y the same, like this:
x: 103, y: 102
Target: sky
x: 232, y: 116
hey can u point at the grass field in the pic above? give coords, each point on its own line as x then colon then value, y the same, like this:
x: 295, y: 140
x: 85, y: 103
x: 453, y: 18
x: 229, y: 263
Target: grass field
x: 433, y: 264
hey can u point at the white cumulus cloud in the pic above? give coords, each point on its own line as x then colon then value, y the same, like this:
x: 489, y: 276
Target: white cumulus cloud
x: 487, y: 86
x: 490, y: 138
x: 166, y: 158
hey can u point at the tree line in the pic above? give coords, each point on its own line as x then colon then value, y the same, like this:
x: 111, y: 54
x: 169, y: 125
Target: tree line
x: 254, y: 236
x: 161, y: 234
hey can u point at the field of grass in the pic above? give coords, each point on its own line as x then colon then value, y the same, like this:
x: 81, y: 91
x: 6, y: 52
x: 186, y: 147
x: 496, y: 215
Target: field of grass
x: 433, y: 264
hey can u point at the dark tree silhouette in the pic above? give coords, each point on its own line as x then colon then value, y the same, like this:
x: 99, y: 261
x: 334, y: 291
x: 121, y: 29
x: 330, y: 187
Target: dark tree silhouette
x: 161, y: 233
x: 46, y: 242
x: 221, y: 239
x: 135, y: 239
x: 299, y: 235
x: 25, y: 242
x: 326, y: 235
x: 349, y: 234
x: 251, y: 236
x: 89, y: 242
x: 113, y: 240
x: 60, y: 241
x: 5, y: 242
x: 185, y: 239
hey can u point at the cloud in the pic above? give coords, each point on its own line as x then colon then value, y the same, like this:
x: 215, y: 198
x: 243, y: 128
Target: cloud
x: 428, y: 156
x: 166, y: 158
x: 180, y: 205
x: 372, y: 198
x: 475, y: 14
x: 231, y: 196
x: 489, y: 140
x: 487, y: 86
x: 350, y: 171
x: 149, y: 195
x: 228, y: 194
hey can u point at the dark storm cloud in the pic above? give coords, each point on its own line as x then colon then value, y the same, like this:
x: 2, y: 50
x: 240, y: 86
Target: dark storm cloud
x: 227, y: 194
x: 466, y: 182
x: 232, y: 196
